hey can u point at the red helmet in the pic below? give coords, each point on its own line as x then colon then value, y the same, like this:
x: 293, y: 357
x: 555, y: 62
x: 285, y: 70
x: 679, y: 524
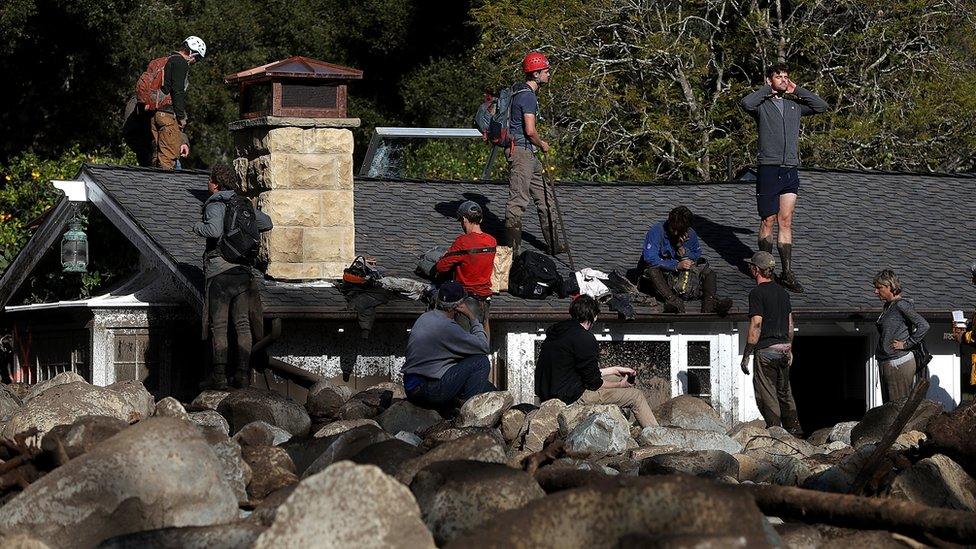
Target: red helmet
x: 534, y: 61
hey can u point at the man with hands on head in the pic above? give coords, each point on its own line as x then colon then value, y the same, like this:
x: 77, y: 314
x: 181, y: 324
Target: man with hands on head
x: 778, y: 182
x: 568, y: 368
x: 770, y: 339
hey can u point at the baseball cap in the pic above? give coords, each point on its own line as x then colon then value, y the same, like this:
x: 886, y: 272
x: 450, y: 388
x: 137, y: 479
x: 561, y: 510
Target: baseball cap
x: 763, y: 260
x: 467, y: 208
x: 450, y: 293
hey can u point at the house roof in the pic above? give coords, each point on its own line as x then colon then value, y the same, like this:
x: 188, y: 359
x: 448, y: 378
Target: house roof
x: 848, y: 225
x: 296, y: 66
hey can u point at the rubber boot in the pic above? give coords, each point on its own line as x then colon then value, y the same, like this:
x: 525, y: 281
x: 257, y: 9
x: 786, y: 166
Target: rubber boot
x: 787, y: 279
x: 711, y: 304
x: 766, y: 244
x: 217, y: 380
x: 672, y: 303
x: 514, y: 237
x: 243, y: 378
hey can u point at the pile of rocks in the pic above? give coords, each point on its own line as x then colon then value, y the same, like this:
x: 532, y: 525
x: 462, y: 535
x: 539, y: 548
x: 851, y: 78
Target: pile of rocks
x: 251, y: 468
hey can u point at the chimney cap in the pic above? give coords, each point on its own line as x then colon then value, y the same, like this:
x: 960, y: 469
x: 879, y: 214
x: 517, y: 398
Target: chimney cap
x: 295, y: 67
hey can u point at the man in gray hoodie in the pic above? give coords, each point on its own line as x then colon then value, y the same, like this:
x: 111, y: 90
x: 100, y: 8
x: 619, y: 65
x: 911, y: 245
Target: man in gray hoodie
x: 231, y: 287
x: 778, y: 183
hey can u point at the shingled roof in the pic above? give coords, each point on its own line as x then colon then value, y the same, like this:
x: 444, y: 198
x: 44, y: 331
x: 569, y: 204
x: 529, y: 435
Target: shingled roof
x: 848, y: 225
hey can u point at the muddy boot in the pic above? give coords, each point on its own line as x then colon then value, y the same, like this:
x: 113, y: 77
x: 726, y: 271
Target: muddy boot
x: 711, y: 304
x: 787, y: 279
x: 513, y: 235
x: 766, y: 244
x: 672, y: 303
x: 217, y: 380
x: 243, y: 378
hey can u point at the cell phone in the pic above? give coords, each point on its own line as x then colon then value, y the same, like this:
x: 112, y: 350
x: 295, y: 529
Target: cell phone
x: 631, y: 378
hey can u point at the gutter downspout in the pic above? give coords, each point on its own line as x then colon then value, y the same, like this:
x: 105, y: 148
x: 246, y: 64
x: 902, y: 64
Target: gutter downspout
x: 282, y: 369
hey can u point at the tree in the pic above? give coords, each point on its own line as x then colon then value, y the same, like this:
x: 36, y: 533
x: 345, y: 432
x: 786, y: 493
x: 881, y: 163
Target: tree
x: 645, y: 89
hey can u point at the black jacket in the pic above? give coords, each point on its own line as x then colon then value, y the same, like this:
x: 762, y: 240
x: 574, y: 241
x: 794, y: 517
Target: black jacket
x: 567, y: 363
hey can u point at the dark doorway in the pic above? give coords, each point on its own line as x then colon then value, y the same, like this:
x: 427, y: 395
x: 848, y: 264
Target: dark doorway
x: 828, y: 379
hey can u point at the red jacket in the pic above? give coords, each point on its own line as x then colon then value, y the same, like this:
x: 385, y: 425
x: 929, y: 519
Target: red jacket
x: 471, y: 270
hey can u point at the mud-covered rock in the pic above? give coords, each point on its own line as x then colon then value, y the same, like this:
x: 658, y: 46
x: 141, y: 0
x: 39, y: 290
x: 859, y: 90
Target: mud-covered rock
x: 63, y: 378
x: 209, y: 399
x: 477, y: 447
x: 702, y: 463
x: 456, y: 496
x: 135, y: 394
x: 128, y: 483
x: 541, y: 425
x: 511, y: 424
x: 954, y: 435
x: 220, y: 536
x: 9, y: 403
x: 170, y: 407
x: 271, y: 470
x: 248, y: 405
x: 598, y: 435
x: 261, y: 433
x: 872, y: 428
x: 688, y: 439
x: 404, y: 416
x: 573, y: 414
x: 690, y: 412
x: 366, y: 404
x: 82, y: 435
x: 388, y: 455
x: 324, y: 400
x: 937, y: 482
x: 377, y: 512
x: 233, y: 469
x: 210, y: 419
x: 345, y: 446
x: 486, y: 409
x: 343, y: 425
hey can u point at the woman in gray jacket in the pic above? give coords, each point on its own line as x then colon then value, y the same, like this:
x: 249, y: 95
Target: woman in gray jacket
x: 900, y: 330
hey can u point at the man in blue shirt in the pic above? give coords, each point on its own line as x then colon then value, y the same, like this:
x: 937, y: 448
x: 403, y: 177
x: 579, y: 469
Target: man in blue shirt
x: 525, y: 171
x: 672, y: 263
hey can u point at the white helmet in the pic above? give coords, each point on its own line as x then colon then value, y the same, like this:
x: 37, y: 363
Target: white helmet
x: 196, y: 45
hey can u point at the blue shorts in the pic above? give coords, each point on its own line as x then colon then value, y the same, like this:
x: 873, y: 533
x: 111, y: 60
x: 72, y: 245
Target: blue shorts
x: 772, y: 182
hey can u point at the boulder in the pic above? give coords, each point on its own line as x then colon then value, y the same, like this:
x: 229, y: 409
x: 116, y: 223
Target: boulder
x: 248, y: 405
x: 209, y: 399
x: 871, y: 429
x: 260, y: 433
x: 701, y: 463
x: 819, y: 437
x: 937, y: 482
x: 366, y: 404
x: 540, y: 425
x: 840, y: 477
x: 688, y: 439
x: 345, y: 446
x: 842, y: 432
x: 221, y: 536
x: 486, y: 409
x: 952, y: 435
x: 135, y: 394
x: 779, y: 443
x: 572, y: 415
x: 409, y: 438
x: 170, y: 407
x: 65, y: 403
x: 911, y: 439
x: 477, y: 447
x: 343, y: 425
x: 20, y: 541
x: 155, y: 474
x: 598, y: 435
x: 748, y: 467
x: 396, y: 389
x: 744, y: 432
x: 644, y: 452
x: 234, y: 470
x: 324, y: 400
x: 404, y: 416
x: 690, y: 412
x: 82, y: 435
x: 456, y: 496
x: 440, y: 437
x: 271, y: 469
x: 9, y: 403
x: 265, y: 511
x: 377, y: 512
x: 511, y: 424
x: 210, y: 419
x: 558, y: 477
x: 792, y: 472
x: 388, y: 455
x: 834, y: 446
x: 604, y: 513
x: 61, y: 379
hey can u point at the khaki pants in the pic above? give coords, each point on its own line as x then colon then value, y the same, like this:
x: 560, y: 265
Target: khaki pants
x: 897, y: 380
x: 167, y: 139
x: 632, y: 398
x: 774, y: 395
x: 524, y: 184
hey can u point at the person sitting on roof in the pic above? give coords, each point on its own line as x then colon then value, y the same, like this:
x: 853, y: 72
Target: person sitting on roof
x: 446, y: 363
x: 568, y: 368
x: 672, y: 263
x: 231, y: 291
x: 471, y: 258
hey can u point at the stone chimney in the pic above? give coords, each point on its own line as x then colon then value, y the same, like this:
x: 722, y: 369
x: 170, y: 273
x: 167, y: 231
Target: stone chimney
x: 294, y: 151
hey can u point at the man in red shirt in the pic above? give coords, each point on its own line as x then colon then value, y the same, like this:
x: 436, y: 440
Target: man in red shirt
x: 472, y: 259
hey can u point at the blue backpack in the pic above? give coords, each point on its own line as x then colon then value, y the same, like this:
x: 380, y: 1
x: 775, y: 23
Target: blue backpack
x: 493, y: 116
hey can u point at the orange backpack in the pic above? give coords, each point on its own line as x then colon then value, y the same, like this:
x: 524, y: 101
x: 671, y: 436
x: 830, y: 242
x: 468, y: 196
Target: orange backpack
x: 148, y: 86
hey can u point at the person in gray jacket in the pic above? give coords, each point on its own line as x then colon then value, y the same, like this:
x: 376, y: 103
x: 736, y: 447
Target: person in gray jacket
x: 445, y: 363
x: 231, y: 290
x: 778, y: 182
x: 900, y: 330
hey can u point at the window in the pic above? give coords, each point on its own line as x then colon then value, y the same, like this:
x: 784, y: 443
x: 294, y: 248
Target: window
x: 135, y: 354
x: 699, y: 371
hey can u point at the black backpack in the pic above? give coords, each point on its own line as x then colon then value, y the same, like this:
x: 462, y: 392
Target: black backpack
x: 534, y: 276
x: 239, y: 243
x: 493, y: 116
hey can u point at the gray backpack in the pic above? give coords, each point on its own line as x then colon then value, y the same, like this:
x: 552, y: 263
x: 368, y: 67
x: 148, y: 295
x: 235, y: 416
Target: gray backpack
x: 428, y: 261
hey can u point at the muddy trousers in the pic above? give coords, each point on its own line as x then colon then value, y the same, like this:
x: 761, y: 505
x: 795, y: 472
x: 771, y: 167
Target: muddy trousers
x: 229, y: 303
x: 631, y: 397
x: 525, y: 184
x: 774, y: 396
x: 167, y: 138
x: 897, y: 378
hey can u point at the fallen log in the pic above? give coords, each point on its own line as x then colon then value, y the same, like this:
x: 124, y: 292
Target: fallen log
x: 849, y: 511
x: 871, y: 465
